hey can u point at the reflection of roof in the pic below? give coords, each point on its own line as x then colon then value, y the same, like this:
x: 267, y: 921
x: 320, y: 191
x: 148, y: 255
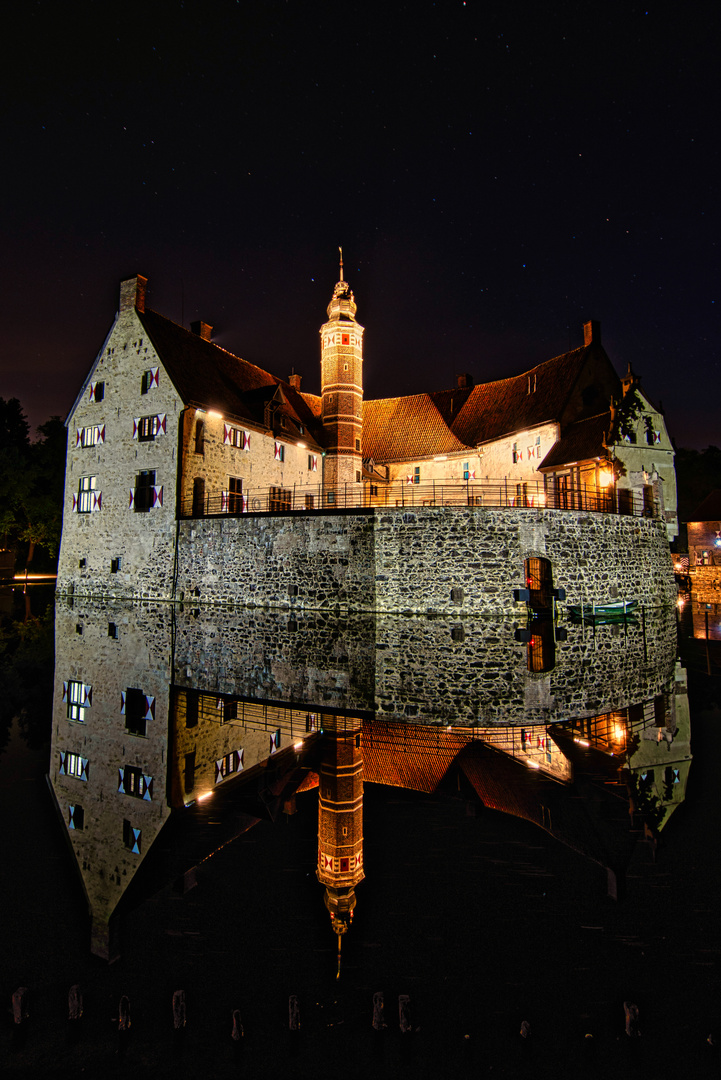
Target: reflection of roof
x: 709, y: 509
x: 209, y: 376
x: 403, y: 428
x: 580, y: 442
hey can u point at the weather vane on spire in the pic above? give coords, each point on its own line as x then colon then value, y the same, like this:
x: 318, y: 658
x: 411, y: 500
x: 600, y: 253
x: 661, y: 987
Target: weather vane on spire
x: 341, y: 262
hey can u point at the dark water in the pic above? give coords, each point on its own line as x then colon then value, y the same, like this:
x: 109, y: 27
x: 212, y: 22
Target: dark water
x: 483, y: 919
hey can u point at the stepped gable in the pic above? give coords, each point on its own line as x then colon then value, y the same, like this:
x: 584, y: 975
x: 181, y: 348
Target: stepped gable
x: 563, y: 389
x: 581, y: 441
x: 405, y: 429
x: 214, y: 378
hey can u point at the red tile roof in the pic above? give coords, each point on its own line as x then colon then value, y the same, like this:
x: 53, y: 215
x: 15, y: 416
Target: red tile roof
x: 406, y: 428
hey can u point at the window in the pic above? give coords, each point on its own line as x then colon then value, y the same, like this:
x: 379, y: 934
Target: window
x: 235, y: 495
x: 138, y: 708
x: 199, y: 436
x: 79, y: 698
x: 653, y: 437
x: 374, y: 489
x: 230, y: 711
x: 330, y: 498
x: 417, y: 474
x: 76, y: 817
x: 112, y: 630
x: 309, y: 502
x: 236, y: 437
x: 90, y: 436
x: 144, y: 496
x: 73, y: 765
x: 131, y: 838
x: 149, y: 380
x: 279, y: 499
x: 147, y: 428
x: 133, y: 781
x: 96, y: 392
x: 115, y: 565
x: 198, y: 496
x: 229, y: 764
x: 630, y: 437
x: 345, y: 339
x: 87, y: 499
x: 313, y: 462
x: 279, y: 451
x: 358, y: 445
x: 516, y: 454
x: 82, y: 563
x: 466, y: 470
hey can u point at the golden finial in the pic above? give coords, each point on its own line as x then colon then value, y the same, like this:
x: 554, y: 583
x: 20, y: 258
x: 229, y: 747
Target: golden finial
x: 341, y: 262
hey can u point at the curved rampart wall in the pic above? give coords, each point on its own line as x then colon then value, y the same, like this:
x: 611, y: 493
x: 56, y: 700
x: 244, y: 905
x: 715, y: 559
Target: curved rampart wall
x: 432, y: 560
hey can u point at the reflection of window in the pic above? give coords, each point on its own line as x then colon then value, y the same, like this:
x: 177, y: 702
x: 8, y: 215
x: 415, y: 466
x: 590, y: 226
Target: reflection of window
x: 132, y: 781
x: 138, y: 709
x: 229, y: 764
x: 79, y: 697
x: 131, y: 838
x: 73, y: 765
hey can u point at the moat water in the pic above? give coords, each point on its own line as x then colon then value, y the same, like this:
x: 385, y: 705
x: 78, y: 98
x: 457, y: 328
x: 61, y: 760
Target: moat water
x: 484, y: 917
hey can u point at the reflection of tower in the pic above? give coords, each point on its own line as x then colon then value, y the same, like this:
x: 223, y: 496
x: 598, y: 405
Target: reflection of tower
x: 341, y: 343
x: 340, y: 819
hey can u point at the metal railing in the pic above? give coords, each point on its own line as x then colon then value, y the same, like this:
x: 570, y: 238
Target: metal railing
x: 492, y: 494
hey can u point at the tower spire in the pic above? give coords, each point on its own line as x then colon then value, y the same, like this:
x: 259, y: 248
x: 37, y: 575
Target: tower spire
x: 340, y: 249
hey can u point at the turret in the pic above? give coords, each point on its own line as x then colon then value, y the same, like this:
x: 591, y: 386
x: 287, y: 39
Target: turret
x: 341, y: 343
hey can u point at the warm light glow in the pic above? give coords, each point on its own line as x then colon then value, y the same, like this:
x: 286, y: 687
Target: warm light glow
x: 581, y: 742
x: 441, y: 457
x: 298, y: 746
x: 618, y: 732
x: 206, y: 795
x: 605, y: 478
x: 215, y: 415
x: 532, y: 764
x: 302, y: 445
x: 34, y: 577
x: 680, y: 602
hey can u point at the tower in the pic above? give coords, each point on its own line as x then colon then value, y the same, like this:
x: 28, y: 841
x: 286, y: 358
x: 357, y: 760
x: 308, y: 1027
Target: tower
x: 340, y: 820
x: 341, y: 378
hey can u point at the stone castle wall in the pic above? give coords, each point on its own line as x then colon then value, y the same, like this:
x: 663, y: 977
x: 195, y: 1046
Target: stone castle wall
x: 424, y: 560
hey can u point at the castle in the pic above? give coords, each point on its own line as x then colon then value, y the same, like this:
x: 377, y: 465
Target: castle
x: 170, y: 429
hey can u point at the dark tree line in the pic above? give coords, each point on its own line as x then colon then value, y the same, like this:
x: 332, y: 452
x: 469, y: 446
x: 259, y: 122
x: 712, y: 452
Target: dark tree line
x: 32, y: 478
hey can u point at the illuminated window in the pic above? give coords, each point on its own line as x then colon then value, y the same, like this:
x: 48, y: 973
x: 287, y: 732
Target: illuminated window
x: 233, y: 436
x: 345, y: 339
x: 90, y: 436
x: 87, y: 499
x: 147, y: 428
x: 73, y: 765
x: 229, y: 764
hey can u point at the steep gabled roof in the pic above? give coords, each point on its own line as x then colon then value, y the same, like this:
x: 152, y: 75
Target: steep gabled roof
x: 538, y: 396
x: 213, y: 378
x: 709, y: 509
x: 582, y: 441
x: 406, y: 428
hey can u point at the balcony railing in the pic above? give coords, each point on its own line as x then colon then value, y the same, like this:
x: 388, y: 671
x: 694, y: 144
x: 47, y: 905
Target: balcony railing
x: 491, y: 494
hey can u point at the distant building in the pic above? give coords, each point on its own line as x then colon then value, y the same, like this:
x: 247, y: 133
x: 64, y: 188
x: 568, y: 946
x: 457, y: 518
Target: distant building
x: 169, y: 426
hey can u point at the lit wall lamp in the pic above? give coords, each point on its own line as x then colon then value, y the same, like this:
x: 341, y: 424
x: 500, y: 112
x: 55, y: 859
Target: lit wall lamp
x: 605, y: 478
x: 215, y: 415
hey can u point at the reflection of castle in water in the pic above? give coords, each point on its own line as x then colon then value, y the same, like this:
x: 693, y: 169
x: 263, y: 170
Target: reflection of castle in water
x: 175, y: 730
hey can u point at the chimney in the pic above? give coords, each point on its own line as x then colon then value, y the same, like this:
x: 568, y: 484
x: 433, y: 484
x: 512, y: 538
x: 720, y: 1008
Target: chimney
x: 465, y: 381
x: 132, y: 293
x: 592, y: 332
x: 294, y: 381
x: 202, y: 329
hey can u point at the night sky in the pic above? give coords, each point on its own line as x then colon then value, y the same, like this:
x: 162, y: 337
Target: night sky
x: 496, y: 173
